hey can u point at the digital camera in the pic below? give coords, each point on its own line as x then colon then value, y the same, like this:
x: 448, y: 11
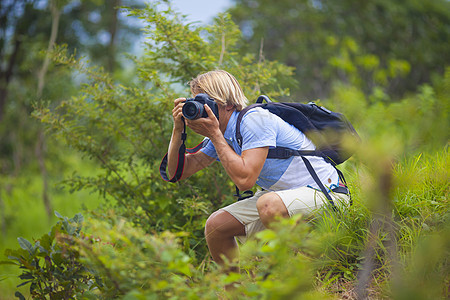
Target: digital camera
x: 193, y: 108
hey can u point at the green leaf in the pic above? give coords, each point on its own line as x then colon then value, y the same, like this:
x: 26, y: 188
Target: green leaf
x: 57, y: 258
x: 57, y: 214
x: 5, y: 262
x: 19, y: 295
x: 14, y: 258
x: 267, y: 235
x: 27, y: 275
x: 4, y: 277
x: 70, y: 229
x: 232, y: 277
x: 24, y: 283
x: 46, y: 242
x: 16, y: 254
x: 26, y: 245
x: 78, y: 218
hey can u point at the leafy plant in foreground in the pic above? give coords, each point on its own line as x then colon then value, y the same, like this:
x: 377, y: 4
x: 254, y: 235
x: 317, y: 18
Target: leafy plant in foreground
x: 51, y: 265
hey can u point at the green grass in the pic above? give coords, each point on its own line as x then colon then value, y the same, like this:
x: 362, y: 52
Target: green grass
x: 420, y: 215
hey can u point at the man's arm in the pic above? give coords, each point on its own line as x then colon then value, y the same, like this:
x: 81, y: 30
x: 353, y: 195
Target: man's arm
x: 244, y: 169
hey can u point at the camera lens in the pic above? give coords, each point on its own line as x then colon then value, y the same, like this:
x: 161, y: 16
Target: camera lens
x: 192, y: 110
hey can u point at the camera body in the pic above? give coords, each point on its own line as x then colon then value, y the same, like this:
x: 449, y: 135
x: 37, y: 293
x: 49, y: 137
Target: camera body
x: 193, y: 108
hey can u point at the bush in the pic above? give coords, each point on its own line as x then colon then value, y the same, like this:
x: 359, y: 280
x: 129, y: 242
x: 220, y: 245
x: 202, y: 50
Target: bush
x: 51, y: 264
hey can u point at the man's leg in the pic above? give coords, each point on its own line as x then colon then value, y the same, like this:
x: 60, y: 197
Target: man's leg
x: 220, y: 230
x: 270, y: 206
x: 287, y: 203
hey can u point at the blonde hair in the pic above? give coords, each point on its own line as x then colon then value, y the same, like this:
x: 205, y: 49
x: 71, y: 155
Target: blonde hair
x: 221, y: 86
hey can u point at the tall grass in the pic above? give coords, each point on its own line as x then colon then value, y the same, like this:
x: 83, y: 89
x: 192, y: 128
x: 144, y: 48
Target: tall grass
x: 420, y: 213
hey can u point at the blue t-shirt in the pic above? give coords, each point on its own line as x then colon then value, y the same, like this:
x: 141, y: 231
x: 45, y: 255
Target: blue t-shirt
x: 260, y: 128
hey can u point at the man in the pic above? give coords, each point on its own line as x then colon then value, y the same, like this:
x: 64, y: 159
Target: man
x: 287, y: 186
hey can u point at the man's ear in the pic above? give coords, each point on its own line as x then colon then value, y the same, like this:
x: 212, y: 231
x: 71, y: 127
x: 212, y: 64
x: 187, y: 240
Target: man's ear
x: 229, y: 107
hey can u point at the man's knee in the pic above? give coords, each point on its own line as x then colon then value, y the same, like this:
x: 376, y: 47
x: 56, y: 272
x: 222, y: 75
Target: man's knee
x: 270, y: 206
x: 222, y: 223
x: 212, y: 223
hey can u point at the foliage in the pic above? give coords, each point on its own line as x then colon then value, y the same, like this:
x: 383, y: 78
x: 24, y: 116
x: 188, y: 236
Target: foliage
x: 297, y: 258
x: 25, y: 216
x: 138, y: 265
x: 131, y: 262
x: 28, y: 30
x: 405, y: 41
x: 24, y: 35
x: 51, y: 265
x: 416, y: 122
x: 419, y: 212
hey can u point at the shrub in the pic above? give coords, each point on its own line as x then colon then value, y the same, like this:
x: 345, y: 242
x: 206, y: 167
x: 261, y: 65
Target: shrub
x: 51, y: 265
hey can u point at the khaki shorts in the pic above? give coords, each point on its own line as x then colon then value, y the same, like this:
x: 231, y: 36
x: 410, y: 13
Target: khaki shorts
x: 303, y: 200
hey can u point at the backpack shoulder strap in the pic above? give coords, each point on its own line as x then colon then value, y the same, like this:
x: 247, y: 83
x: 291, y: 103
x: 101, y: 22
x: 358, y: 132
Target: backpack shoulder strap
x: 239, y: 119
x: 263, y: 98
x: 259, y: 103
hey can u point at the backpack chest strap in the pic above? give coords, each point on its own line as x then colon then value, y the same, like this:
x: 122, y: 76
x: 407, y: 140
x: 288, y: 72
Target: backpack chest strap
x: 285, y: 153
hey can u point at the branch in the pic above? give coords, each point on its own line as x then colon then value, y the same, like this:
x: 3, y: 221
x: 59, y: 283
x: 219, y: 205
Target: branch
x: 222, y: 52
x: 56, y: 13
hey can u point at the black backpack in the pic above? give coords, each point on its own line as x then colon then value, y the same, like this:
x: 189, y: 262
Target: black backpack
x: 326, y: 129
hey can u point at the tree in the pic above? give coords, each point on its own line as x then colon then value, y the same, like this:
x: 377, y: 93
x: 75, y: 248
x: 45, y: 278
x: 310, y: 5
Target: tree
x: 27, y: 78
x: 410, y: 35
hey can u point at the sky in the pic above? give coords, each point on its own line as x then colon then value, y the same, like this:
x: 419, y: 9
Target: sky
x: 196, y: 11
x: 201, y: 10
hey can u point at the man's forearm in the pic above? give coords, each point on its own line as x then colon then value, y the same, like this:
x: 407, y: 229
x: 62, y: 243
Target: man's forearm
x: 172, y: 156
x: 233, y: 163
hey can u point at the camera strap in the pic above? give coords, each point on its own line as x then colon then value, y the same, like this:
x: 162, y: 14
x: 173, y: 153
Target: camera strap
x: 181, y: 157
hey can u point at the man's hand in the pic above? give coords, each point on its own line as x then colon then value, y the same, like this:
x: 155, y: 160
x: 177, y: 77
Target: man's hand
x: 208, y: 127
x: 177, y: 114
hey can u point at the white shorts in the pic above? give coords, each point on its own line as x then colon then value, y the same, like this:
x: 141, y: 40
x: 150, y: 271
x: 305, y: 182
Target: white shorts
x: 303, y: 200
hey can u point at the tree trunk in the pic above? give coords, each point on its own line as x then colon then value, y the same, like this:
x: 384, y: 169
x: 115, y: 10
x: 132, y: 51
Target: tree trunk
x: 112, y: 31
x: 40, y: 144
x: 2, y: 215
x: 382, y: 224
x: 51, y: 43
x: 40, y: 154
x: 5, y: 77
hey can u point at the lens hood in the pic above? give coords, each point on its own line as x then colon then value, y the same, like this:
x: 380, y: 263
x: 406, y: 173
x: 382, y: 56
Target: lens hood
x: 193, y: 108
